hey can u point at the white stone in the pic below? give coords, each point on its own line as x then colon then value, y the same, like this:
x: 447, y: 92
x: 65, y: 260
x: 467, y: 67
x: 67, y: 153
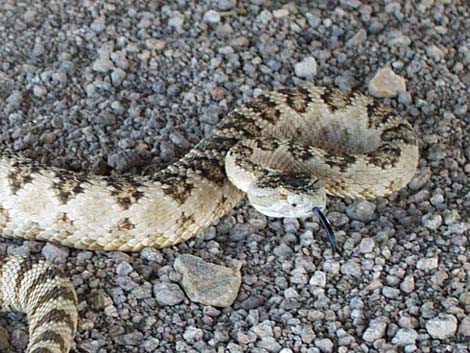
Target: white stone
x: 306, y: 68
x: 442, y: 327
x: 211, y: 16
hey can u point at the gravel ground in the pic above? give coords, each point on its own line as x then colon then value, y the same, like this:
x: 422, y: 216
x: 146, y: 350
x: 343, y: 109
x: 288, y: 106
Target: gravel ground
x: 94, y: 85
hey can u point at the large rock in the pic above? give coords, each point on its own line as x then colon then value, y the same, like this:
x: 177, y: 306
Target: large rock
x: 207, y: 283
x: 386, y: 84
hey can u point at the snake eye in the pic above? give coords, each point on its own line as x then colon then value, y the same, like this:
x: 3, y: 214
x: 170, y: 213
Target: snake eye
x: 294, y: 205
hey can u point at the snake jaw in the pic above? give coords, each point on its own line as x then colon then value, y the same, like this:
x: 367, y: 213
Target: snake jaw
x: 329, y: 230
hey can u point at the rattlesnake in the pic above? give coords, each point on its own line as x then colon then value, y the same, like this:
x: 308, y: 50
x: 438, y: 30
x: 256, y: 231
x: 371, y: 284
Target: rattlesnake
x: 347, y: 145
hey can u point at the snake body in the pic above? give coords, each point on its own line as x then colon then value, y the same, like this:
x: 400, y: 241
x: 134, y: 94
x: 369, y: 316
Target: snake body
x: 361, y: 149
x: 356, y: 146
x: 47, y: 297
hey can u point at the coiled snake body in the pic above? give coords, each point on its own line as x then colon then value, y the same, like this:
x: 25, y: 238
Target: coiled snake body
x: 355, y: 146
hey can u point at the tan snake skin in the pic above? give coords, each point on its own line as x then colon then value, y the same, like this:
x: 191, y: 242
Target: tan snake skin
x: 47, y: 297
x: 360, y: 149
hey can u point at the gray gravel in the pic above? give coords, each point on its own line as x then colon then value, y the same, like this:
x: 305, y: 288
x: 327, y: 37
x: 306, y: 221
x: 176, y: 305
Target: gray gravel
x: 114, y: 89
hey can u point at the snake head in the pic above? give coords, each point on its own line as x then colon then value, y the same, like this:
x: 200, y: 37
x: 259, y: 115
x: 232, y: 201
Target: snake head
x: 284, y: 194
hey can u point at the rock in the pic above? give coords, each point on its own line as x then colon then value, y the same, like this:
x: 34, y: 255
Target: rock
x: 224, y: 5
x: 212, y: 16
x: 386, y: 83
x: 318, y: 279
x: 405, y: 336
x: 103, y: 63
x: 366, y: 245
x: 324, y: 344
x: 117, y: 76
x: 434, y: 52
x: 376, y: 330
x: 408, y: 284
x: 351, y: 268
x: 307, y: 334
x: 151, y: 344
x: 359, y: 38
x: 405, y: 98
x: 443, y: 326
x: 15, y: 99
x: 124, y: 269
x: 207, y: 283
x: 464, y: 327
x: 168, y: 293
x: 361, y: 210
x: 155, y: 44
x: 398, y: 39
x: 390, y: 292
x: 270, y: 344
x: 431, y: 221
x: 192, y: 334
x: 299, y: 276
x: 39, y: 91
x: 176, y: 20
x: 152, y: 255
x: 131, y: 339
x: 428, y: 263
x: 280, y: 13
x: 99, y: 24
x: 306, y: 68
x: 55, y: 253
x: 350, y: 4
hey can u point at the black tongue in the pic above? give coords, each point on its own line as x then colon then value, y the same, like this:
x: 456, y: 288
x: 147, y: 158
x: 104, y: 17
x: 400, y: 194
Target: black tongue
x: 329, y: 231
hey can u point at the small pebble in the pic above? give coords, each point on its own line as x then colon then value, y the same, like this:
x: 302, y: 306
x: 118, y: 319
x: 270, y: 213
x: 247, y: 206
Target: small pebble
x: 307, y: 68
x: 168, y: 293
x: 427, y: 263
x: 361, y: 210
x: 375, y: 331
x: 366, y: 245
x: 212, y: 17
x: 405, y: 336
x: 324, y: 344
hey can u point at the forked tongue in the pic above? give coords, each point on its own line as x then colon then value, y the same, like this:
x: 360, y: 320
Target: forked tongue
x: 329, y: 231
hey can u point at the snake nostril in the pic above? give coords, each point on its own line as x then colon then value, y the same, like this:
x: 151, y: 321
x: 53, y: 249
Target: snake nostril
x: 294, y: 205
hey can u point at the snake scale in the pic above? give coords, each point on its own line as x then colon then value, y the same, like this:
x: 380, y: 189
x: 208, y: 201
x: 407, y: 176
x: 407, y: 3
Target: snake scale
x: 348, y: 143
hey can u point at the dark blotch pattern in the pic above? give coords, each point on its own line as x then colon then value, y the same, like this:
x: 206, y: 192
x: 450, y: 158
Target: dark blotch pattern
x: 50, y: 272
x: 57, y: 315
x: 67, y: 185
x: 243, y: 124
x: 54, y: 293
x: 379, y: 114
x: 265, y: 108
x: 400, y: 132
x: 20, y: 176
x: 51, y: 337
x: 385, y: 157
x: 125, y: 195
x: 342, y: 161
x: 297, y: 99
x: 175, y: 185
x: 294, y: 182
x: 24, y: 267
x: 299, y: 152
x: 335, y: 99
x: 211, y: 169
